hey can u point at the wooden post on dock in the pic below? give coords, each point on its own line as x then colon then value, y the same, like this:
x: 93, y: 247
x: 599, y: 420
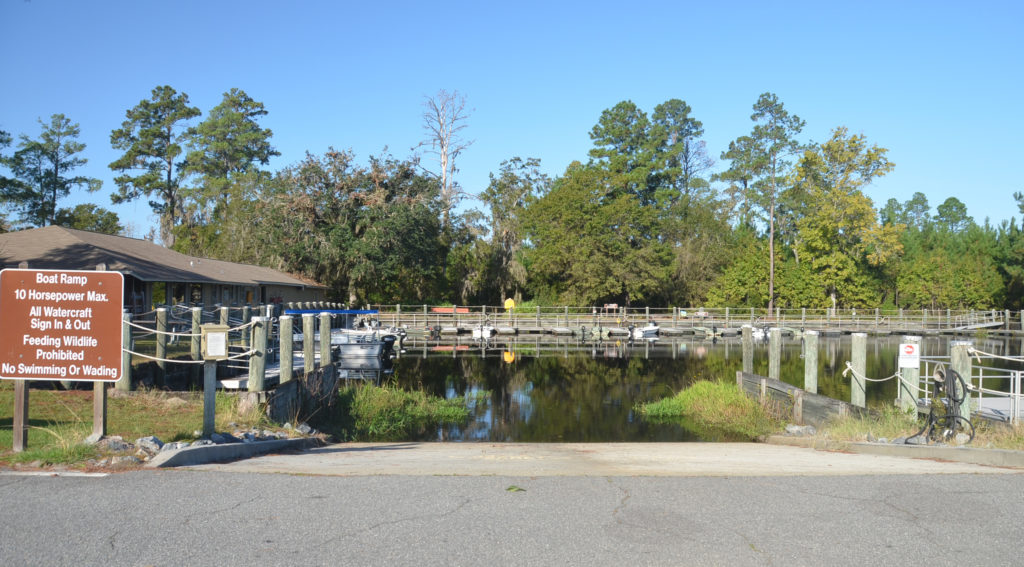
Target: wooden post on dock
x: 910, y: 383
x: 325, y: 340
x: 727, y: 317
x: 803, y: 317
x: 246, y: 317
x: 811, y: 361
x: 798, y: 407
x: 858, y: 385
x: 258, y: 359
x: 308, y: 330
x: 161, y: 347
x: 774, y: 352
x: 223, y: 315
x: 748, y: 349
x: 287, y: 348
x: 194, y: 346
x: 960, y: 361
x: 538, y: 316
x: 125, y: 383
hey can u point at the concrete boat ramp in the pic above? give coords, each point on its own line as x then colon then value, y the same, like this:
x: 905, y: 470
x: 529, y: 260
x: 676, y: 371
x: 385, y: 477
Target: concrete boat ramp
x: 604, y: 460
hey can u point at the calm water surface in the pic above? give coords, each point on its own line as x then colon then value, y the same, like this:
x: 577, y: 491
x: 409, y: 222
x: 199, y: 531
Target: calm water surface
x: 542, y: 389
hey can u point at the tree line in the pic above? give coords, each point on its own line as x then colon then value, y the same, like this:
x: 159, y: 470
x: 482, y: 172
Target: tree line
x: 642, y: 219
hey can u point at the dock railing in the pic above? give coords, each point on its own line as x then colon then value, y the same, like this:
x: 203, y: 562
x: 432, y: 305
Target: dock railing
x: 535, y: 318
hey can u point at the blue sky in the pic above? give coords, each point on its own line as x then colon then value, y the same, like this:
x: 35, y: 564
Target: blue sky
x: 937, y: 83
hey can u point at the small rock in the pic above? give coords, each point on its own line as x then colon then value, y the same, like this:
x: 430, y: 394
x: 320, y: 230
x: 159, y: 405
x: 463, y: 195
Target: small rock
x: 918, y: 440
x: 883, y: 440
x: 288, y: 426
x: 124, y: 461
x: 203, y: 443
x: 174, y: 446
x: 962, y: 439
x: 305, y: 429
x: 93, y: 439
x: 116, y: 444
x: 150, y: 444
x: 197, y: 434
x: 142, y: 455
x: 800, y: 430
x: 248, y: 437
x: 899, y: 441
x: 221, y: 438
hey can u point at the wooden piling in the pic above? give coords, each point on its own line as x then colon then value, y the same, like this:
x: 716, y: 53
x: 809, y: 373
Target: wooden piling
x: 161, y: 347
x: 748, y: 349
x: 258, y: 359
x: 774, y: 352
x: 246, y: 317
x: 960, y: 361
x: 325, y: 340
x: 287, y: 348
x: 308, y: 330
x: 798, y: 407
x: 811, y: 361
x: 125, y: 383
x: 196, y: 371
x: 858, y: 385
x: 223, y: 315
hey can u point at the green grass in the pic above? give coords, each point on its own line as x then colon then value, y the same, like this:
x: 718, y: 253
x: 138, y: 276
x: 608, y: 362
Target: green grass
x: 891, y: 423
x: 715, y: 410
x: 386, y: 413
x: 59, y: 421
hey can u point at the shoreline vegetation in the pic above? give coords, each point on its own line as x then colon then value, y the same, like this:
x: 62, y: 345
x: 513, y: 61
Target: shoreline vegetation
x: 716, y: 410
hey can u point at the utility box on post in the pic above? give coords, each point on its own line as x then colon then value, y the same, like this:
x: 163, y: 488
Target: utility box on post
x: 214, y: 343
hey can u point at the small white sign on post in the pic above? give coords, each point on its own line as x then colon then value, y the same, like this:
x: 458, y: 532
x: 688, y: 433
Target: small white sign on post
x: 910, y: 356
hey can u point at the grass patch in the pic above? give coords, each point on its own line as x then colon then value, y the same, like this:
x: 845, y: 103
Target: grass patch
x: 715, y: 410
x: 891, y: 423
x: 59, y: 421
x: 387, y: 413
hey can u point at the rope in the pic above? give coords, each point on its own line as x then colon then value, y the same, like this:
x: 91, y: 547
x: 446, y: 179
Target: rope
x: 151, y: 331
x: 235, y: 357
x: 850, y: 369
x: 148, y: 330
x: 978, y: 354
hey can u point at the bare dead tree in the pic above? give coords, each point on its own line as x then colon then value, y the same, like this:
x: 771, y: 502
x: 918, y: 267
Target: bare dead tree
x: 443, y: 120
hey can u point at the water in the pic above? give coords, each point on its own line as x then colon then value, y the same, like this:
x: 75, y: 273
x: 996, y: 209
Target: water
x: 545, y: 389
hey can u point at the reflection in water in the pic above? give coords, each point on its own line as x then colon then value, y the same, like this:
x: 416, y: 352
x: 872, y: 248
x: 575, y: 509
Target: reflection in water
x: 550, y: 389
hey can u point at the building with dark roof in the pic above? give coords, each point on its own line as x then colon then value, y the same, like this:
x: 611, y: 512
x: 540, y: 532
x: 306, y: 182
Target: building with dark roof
x: 151, y: 269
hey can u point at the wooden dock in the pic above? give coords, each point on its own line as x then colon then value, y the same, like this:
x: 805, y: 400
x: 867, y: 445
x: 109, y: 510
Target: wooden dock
x: 676, y: 321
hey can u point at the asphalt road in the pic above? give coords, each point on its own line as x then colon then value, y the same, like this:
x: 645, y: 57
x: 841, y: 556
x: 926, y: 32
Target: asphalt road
x: 224, y: 516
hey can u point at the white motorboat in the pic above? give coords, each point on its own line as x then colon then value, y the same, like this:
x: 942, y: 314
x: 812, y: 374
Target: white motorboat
x: 649, y: 331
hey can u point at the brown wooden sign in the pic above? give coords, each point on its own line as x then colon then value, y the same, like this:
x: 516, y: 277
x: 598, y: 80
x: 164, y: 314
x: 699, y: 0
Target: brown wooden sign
x: 60, y: 325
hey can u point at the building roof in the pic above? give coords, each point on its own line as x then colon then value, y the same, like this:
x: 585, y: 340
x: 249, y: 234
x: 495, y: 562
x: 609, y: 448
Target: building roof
x: 60, y: 248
